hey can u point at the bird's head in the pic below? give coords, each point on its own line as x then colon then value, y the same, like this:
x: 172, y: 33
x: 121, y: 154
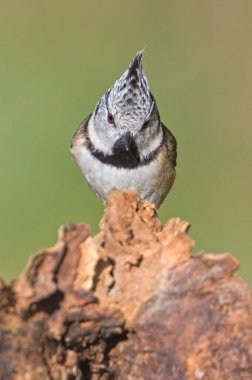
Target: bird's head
x: 126, y: 116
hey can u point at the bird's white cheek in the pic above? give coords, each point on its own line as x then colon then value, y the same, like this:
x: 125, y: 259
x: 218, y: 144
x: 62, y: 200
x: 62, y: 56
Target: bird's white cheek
x: 148, y: 142
x: 102, y: 137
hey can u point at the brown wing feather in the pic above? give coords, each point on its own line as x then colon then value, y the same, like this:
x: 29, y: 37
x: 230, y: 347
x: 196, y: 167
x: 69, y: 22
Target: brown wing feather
x: 79, y: 138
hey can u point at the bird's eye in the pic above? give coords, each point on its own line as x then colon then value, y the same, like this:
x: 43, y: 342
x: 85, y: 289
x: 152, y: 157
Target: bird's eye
x: 110, y: 118
x: 145, y: 125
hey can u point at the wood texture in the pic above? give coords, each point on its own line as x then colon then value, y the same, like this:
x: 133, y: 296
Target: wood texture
x: 128, y: 303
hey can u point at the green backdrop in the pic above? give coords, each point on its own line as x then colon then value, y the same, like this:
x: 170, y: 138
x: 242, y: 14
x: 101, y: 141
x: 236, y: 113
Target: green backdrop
x: 56, y: 60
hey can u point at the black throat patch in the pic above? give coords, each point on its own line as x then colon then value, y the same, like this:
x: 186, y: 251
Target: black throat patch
x: 120, y: 157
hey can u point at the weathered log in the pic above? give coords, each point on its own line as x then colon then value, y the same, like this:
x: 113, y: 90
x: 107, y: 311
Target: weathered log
x: 129, y: 303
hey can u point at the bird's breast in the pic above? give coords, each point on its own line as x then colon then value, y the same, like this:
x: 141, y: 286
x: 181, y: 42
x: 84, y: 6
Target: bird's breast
x: 152, y: 180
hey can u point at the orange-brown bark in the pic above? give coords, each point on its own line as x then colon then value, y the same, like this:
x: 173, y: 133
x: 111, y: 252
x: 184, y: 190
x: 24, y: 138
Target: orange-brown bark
x: 128, y: 303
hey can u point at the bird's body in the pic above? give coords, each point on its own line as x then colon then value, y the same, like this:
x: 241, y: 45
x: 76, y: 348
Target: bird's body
x: 123, y: 143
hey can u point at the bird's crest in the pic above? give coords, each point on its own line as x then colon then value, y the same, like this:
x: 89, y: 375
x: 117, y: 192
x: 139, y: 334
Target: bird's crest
x: 130, y: 97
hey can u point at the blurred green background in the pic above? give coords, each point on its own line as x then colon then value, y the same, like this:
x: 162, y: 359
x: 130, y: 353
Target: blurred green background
x: 58, y: 57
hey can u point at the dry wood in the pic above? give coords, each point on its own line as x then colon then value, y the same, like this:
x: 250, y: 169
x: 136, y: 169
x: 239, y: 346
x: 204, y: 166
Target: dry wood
x: 128, y: 303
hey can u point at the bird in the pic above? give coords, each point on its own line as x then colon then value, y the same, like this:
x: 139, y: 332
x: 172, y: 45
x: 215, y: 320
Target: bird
x: 123, y: 144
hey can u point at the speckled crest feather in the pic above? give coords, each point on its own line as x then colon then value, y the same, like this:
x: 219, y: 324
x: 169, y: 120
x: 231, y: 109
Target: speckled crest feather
x: 131, y: 95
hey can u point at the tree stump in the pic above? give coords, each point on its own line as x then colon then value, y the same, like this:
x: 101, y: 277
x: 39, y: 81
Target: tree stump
x: 129, y: 303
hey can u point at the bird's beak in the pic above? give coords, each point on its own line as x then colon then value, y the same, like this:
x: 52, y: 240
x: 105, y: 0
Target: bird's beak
x: 127, y: 140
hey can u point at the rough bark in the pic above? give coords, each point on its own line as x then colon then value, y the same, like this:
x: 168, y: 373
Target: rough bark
x: 129, y: 303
